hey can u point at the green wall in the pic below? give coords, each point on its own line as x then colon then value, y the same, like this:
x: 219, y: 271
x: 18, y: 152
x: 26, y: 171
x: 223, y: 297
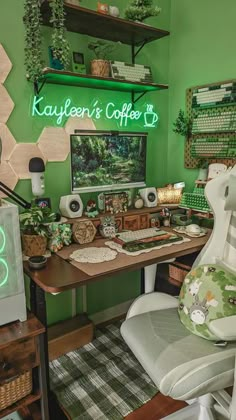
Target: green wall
x: 200, y: 50
x: 202, y: 45
x: 27, y: 129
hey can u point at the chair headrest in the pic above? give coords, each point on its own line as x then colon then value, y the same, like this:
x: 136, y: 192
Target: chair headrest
x: 230, y: 201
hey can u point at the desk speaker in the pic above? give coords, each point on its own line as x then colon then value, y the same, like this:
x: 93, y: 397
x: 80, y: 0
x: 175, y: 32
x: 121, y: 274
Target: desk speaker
x: 149, y: 196
x: 71, y: 206
x: 12, y: 292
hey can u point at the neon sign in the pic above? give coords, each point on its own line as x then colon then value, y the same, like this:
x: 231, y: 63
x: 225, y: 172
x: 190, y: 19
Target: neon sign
x: 110, y: 111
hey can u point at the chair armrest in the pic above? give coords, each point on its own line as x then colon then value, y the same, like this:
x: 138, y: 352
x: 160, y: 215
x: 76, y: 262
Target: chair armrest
x: 224, y: 328
x: 151, y: 302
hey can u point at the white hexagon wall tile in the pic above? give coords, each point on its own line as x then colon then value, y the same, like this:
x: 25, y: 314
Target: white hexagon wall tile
x: 5, y: 64
x: 54, y: 144
x: 6, y: 104
x: 19, y: 159
x: 7, y: 176
x: 8, y: 142
x: 76, y: 123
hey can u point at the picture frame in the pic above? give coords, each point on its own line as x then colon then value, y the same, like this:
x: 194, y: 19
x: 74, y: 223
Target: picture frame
x: 43, y: 202
x: 116, y: 202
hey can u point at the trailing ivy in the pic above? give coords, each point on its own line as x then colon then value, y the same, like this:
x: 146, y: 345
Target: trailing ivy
x: 33, y: 43
x: 60, y: 45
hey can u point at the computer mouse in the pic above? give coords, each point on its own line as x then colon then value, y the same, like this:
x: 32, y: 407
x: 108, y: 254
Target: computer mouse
x: 194, y: 229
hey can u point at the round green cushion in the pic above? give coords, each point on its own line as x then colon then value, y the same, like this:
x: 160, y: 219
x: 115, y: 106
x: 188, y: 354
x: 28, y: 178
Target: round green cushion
x: 208, y: 293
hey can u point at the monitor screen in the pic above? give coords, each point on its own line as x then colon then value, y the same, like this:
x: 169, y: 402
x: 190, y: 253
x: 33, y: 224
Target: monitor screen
x: 103, y: 161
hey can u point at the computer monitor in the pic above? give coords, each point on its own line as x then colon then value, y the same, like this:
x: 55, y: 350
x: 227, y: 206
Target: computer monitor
x: 106, y: 161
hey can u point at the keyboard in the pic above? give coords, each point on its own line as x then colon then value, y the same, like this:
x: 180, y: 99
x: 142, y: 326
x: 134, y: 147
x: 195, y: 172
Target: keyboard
x: 214, y: 120
x: 137, y: 235
x: 132, y: 72
x: 195, y: 201
x: 212, y: 96
x: 222, y: 147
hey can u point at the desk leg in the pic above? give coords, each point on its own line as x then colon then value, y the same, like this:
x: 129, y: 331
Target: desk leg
x: 48, y: 400
x: 38, y: 307
x: 43, y: 369
x: 142, y: 281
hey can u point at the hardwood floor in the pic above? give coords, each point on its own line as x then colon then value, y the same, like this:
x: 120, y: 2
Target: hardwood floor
x: 158, y: 407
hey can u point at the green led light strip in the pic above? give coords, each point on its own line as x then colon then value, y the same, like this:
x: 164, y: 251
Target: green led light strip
x: 2, y: 261
x: 4, y: 240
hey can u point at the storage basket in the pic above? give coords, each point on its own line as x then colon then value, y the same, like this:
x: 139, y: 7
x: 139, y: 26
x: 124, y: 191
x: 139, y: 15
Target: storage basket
x: 178, y: 271
x: 15, y: 389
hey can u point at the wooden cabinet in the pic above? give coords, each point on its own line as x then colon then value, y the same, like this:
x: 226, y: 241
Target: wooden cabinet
x: 133, y: 219
x: 136, y: 222
x: 22, y: 369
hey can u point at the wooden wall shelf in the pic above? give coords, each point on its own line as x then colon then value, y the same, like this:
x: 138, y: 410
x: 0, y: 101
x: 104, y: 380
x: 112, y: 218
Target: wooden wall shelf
x: 68, y: 78
x: 89, y: 22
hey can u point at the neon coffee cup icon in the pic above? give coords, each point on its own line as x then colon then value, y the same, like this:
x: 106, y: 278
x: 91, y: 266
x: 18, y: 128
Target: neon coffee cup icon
x: 150, y: 117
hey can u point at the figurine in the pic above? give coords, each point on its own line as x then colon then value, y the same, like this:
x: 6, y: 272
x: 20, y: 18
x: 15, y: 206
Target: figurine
x: 102, y: 8
x: 108, y: 227
x: 55, y: 242
x: 114, y: 11
x: 65, y: 233
x: 138, y: 202
x: 166, y: 216
x: 91, y: 209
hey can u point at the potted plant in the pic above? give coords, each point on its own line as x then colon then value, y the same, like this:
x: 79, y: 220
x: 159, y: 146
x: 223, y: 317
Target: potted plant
x: 100, y: 66
x: 139, y: 10
x: 33, y: 44
x: 34, y: 227
x: 203, y: 169
x: 183, y: 125
x: 60, y: 45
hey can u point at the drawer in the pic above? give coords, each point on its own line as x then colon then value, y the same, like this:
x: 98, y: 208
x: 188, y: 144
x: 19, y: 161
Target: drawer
x: 143, y: 221
x: 18, y: 357
x: 131, y: 222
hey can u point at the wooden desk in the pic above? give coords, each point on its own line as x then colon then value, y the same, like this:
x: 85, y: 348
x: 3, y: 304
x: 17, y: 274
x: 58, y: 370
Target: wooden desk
x: 59, y: 275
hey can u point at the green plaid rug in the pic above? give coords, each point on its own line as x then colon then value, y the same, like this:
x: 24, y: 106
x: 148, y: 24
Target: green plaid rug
x: 102, y: 380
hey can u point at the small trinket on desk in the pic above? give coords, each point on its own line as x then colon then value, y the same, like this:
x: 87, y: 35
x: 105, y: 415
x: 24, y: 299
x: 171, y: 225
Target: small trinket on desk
x: 91, y: 209
x: 138, y: 202
x: 166, y: 216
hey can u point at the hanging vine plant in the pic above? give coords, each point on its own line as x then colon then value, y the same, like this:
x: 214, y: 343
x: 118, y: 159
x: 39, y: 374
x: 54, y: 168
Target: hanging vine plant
x: 60, y: 45
x: 33, y: 43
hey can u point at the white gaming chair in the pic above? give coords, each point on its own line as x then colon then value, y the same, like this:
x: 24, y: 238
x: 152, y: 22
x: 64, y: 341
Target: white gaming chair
x: 181, y: 364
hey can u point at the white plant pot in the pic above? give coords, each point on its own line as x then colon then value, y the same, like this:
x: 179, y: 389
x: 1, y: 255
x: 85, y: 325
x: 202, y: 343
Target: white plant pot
x: 202, y: 174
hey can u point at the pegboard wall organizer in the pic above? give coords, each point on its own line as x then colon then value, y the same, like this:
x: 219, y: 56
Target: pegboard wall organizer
x: 212, y: 109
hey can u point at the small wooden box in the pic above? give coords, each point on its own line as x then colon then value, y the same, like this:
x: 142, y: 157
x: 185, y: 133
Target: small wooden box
x: 69, y: 335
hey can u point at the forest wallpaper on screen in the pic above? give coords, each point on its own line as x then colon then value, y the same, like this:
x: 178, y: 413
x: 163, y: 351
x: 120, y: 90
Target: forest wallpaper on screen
x: 99, y: 160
